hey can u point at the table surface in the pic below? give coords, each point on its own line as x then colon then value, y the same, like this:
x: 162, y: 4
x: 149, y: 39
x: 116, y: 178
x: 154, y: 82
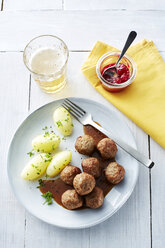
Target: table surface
x: 141, y: 221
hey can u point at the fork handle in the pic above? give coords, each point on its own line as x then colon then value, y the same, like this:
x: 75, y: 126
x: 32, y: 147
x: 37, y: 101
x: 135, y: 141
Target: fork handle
x: 133, y: 152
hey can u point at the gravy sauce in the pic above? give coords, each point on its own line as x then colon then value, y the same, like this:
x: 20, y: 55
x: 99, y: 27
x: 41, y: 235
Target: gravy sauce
x: 58, y: 187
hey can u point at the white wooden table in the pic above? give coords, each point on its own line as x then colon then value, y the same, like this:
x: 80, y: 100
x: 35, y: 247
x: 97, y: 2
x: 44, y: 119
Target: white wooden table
x: 140, y: 223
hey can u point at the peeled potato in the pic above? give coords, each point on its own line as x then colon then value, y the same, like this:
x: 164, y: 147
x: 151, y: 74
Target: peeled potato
x: 36, y: 167
x: 47, y: 142
x: 59, y: 161
x: 63, y: 121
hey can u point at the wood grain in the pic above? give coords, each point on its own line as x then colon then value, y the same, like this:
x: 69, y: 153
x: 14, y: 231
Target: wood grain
x: 32, y: 5
x: 13, y: 108
x: 38, y: 232
x: 113, y: 4
x: 80, y: 29
x: 158, y: 195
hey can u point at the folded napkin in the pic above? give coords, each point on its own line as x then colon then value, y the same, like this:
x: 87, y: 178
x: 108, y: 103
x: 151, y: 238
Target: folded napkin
x: 144, y: 100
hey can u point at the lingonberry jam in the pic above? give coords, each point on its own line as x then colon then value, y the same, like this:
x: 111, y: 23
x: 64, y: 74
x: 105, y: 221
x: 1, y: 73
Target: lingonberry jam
x: 118, y: 76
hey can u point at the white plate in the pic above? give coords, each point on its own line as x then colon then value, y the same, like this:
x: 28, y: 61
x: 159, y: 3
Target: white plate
x: 30, y: 197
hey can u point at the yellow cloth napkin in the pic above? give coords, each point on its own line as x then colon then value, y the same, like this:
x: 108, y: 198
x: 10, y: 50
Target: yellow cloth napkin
x: 144, y: 100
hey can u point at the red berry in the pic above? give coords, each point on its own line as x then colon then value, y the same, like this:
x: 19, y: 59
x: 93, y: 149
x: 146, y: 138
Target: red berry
x: 118, y: 80
x: 106, y: 67
x: 121, y: 69
x: 124, y: 77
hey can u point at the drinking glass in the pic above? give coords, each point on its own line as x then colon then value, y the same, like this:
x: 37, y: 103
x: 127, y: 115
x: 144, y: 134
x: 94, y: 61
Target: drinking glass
x: 51, y: 76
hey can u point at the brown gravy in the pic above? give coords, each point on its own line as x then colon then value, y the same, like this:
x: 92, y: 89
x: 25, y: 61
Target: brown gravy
x: 58, y: 187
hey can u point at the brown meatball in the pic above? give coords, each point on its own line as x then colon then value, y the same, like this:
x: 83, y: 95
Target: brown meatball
x: 84, y: 183
x: 114, y: 173
x: 95, y: 199
x: 85, y: 144
x: 71, y: 200
x: 107, y: 148
x: 68, y: 173
x: 91, y: 166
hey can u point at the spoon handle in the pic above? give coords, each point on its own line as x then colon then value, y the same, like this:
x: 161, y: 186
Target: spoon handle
x: 129, y: 41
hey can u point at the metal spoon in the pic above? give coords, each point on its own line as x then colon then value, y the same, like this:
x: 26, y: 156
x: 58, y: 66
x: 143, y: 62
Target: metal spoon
x: 111, y: 71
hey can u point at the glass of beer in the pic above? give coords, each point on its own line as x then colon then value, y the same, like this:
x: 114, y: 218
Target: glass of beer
x: 46, y: 58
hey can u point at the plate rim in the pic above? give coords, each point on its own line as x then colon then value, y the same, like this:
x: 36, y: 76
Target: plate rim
x: 43, y: 219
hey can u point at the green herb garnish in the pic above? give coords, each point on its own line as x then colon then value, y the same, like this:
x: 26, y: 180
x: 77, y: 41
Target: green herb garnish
x: 34, y: 166
x: 47, y: 155
x: 38, y: 170
x: 45, y: 128
x: 48, y: 198
x: 48, y: 160
x: 41, y: 183
x: 30, y: 153
x: 46, y: 134
x: 59, y: 123
x: 67, y: 119
x: 53, y: 147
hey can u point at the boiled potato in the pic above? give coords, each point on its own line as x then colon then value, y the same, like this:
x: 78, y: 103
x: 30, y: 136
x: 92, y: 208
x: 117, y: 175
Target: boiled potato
x: 59, y: 161
x: 63, y: 121
x: 47, y: 142
x: 36, y: 167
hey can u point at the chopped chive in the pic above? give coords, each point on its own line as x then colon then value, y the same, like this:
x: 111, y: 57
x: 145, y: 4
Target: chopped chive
x: 48, y: 198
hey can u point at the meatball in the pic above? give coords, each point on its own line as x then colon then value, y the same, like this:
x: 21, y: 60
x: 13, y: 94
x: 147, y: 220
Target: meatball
x: 91, y: 166
x: 84, y: 183
x: 71, y: 200
x: 68, y: 173
x: 95, y: 199
x: 114, y: 173
x: 107, y: 148
x: 85, y: 145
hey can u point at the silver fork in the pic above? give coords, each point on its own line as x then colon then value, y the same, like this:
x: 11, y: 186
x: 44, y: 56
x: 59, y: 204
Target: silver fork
x: 85, y: 118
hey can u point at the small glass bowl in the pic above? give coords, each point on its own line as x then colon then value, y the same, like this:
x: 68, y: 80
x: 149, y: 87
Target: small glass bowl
x: 110, y: 58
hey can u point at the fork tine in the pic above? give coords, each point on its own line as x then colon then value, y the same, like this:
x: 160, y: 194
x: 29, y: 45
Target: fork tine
x: 70, y: 111
x: 80, y: 114
x: 76, y: 106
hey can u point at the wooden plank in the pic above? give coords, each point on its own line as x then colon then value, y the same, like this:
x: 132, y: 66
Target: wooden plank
x: 157, y: 192
x: 80, y: 29
x: 32, y: 5
x: 38, y: 232
x: 158, y: 195
x: 13, y: 108
x: 130, y: 227
x: 113, y: 4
